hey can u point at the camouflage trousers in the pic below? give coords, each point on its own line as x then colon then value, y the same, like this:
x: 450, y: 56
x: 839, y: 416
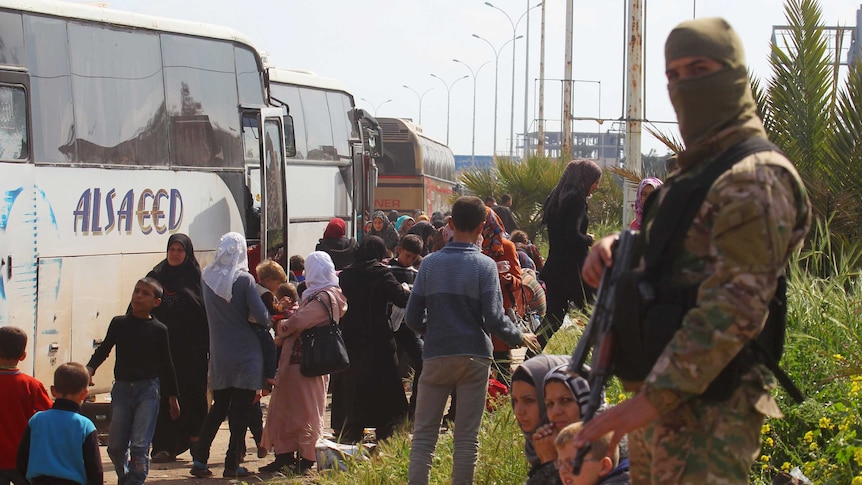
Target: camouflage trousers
x: 698, y: 443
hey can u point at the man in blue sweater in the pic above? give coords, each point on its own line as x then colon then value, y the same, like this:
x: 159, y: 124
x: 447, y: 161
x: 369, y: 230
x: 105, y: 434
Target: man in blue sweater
x: 460, y: 289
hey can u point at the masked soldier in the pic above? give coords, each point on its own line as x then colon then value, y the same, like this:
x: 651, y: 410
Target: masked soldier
x: 687, y: 422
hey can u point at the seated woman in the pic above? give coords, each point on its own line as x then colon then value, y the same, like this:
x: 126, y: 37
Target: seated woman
x: 528, y: 398
x: 566, y: 398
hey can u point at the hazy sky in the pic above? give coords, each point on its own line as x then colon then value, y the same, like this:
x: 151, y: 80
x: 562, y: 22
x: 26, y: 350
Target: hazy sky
x: 377, y: 46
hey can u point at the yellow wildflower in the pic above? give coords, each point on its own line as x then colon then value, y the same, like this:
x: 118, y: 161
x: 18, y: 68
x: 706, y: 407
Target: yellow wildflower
x: 857, y: 455
x: 768, y: 441
x: 809, y: 437
x: 825, y: 422
x: 857, y: 480
x: 838, y: 357
x: 785, y: 467
x: 813, y: 446
x: 765, y: 429
x: 765, y: 458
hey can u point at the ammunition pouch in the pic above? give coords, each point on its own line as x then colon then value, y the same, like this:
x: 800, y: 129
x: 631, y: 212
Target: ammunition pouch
x: 645, y: 321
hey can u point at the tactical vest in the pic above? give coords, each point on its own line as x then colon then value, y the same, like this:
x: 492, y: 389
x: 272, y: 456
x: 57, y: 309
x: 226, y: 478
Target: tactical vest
x: 650, y: 309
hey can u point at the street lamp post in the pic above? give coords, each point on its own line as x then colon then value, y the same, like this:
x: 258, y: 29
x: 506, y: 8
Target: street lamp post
x: 514, y: 33
x: 448, y: 96
x: 419, y: 97
x: 496, y: 75
x: 473, y: 73
x: 377, y: 107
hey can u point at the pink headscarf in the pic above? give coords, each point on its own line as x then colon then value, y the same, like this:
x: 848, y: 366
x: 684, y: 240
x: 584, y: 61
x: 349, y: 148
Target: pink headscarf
x: 639, y: 208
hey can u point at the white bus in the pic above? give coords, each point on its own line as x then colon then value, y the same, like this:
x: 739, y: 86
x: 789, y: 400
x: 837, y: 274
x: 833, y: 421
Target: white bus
x: 330, y: 174
x: 117, y: 130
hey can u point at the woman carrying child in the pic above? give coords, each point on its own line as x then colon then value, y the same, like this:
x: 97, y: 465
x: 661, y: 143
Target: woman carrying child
x: 296, y: 409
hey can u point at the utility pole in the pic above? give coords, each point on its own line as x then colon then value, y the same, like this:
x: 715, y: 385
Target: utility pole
x: 566, y: 149
x: 527, y: 85
x: 634, y: 103
x: 540, y: 149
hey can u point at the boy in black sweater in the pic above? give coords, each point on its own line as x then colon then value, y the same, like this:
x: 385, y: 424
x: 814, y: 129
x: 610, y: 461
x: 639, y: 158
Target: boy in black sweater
x: 142, y: 370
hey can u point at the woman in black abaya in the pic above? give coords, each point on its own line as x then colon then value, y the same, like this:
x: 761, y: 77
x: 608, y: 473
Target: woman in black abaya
x: 370, y: 393
x: 182, y: 311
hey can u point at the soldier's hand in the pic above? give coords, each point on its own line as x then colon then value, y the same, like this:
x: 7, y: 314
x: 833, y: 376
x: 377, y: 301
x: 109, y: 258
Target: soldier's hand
x: 621, y: 419
x: 600, y: 256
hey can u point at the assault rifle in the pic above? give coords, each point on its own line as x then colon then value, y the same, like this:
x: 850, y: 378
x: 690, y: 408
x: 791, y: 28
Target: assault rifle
x: 599, y: 335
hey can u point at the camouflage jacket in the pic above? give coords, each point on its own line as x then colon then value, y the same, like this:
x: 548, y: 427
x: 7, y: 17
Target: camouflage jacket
x: 754, y: 217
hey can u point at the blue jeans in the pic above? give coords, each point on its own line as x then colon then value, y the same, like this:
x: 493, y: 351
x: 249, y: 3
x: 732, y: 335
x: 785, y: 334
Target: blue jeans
x: 134, y: 409
x: 440, y: 376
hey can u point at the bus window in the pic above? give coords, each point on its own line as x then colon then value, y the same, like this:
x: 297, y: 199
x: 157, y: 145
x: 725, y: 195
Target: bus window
x: 398, y: 159
x: 340, y: 123
x: 251, y: 153
x: 273, y: 179
x: 290, y: 95
x: 201, y: 104
x: 119, y: 96
x: 248, y: 76
x: 12, y: 47
x: 13, y: 123
x: 318, y: 126
x: 51, y: 90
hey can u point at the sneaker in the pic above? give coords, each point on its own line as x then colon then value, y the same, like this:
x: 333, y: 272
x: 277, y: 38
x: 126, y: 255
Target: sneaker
x: 162, y: 457
x: 240, y: 472
x: 201, y: 471
x: 262, y: 452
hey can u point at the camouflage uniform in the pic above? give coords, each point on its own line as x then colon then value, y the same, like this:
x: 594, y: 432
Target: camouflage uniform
x: 754, y: 216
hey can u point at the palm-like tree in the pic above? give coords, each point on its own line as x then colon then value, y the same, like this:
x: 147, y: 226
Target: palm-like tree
x: 813, y: 118
x: 528, y: 182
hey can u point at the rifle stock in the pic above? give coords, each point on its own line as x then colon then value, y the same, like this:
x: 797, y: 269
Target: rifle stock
x: 599, y: 335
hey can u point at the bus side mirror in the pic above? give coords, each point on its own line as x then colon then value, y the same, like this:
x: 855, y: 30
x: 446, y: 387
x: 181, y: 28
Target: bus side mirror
x: 289, y: 137
x: 375, y: 144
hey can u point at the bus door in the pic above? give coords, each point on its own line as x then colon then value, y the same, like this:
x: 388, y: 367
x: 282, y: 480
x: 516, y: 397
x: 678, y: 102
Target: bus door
x: 266, y: 183
x: 18, y: 205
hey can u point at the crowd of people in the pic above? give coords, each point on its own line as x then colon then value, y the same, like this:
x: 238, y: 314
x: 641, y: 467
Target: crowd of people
x: 452, y: 294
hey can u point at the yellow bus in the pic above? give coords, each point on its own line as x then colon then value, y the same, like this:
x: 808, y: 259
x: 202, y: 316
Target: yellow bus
x: 415, y: 172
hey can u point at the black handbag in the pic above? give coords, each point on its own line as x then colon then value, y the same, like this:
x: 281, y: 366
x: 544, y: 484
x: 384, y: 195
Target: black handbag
x: 323, y: 349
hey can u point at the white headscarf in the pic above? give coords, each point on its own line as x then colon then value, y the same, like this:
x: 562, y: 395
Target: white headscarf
x: 231, y: 259
x: 319, y: 273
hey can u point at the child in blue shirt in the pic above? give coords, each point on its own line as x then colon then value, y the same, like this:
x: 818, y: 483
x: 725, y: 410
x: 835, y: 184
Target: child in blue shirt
x: 60, y: 445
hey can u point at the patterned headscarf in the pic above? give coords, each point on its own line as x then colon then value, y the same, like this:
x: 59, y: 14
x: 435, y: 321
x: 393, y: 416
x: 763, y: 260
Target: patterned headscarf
x: 319, y: 274
x: 576, y: 181
x: 492, y: 235
x: 388, y: 233
x: 231, y: 259
x: 579, y: 386
x: 639, y: 207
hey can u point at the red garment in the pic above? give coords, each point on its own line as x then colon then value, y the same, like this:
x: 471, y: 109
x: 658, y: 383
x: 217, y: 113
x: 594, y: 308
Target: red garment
x: 336, y: 229
x: 23, y: 396
x: 496, y: 392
